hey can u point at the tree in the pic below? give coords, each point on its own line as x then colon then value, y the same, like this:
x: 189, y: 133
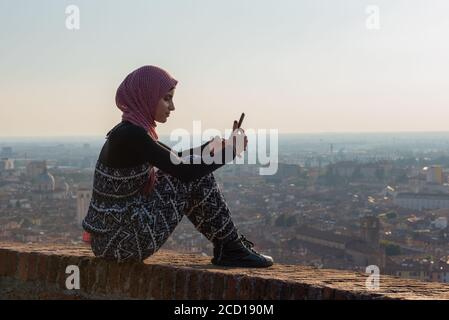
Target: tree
x: 391, y: 249
x: 291, y: 220
x: 391, y: 215
x: 280, y: 221
x: 285, y: 220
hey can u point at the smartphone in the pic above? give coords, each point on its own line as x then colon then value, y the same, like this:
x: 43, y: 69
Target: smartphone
x: 241, y: 120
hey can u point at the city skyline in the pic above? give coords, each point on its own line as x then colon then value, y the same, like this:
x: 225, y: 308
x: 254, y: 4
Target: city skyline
x: 379, y: 202
x: 340, y: 189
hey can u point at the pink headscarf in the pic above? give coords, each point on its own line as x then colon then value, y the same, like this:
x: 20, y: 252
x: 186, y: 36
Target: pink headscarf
x: 137, y: 97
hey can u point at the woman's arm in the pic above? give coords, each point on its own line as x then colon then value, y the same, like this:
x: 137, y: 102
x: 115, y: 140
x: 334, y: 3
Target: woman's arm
x: 196, y: 150
x: 163, y: 158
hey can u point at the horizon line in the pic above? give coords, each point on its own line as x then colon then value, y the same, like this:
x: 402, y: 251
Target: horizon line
x: 284, y: 133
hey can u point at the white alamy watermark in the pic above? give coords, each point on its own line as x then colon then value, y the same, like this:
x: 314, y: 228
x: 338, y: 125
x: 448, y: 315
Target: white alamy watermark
x: 72, y: 282
x: 72, y: 20
x: 373, y: 280
x: 262, y: 148
x: 373, y: 19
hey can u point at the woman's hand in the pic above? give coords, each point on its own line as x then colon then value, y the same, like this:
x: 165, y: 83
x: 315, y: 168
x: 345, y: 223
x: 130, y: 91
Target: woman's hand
x: 238, y: 140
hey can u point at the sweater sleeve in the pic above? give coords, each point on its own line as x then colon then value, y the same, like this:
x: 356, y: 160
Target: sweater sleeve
x: 196, y: 150
x: 165, y: 159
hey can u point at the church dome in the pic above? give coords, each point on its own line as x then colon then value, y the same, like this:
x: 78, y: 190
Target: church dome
x: 61, y: 185
x: 45, y: 181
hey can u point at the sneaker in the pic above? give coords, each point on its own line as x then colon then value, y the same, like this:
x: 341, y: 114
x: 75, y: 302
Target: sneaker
x: 239, y: 253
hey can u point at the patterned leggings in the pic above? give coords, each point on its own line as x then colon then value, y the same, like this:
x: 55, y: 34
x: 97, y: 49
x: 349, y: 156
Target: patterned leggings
x: 139, y: 234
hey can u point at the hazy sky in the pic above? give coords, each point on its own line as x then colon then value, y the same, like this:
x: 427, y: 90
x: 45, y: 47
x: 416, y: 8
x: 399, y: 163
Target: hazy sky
x: 298, y: 66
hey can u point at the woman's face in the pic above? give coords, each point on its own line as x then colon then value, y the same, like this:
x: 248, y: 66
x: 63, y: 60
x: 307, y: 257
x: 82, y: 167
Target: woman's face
x: 164, y: 107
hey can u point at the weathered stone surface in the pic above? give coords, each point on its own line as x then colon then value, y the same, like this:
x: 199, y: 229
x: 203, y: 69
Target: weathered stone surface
x: 38, y: 272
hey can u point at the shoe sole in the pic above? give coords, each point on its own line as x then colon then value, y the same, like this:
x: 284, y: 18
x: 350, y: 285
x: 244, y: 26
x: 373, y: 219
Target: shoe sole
x: 241, y: 265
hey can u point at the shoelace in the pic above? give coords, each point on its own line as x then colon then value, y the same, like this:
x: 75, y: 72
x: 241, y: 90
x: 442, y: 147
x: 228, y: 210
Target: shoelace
x: 247, y: 243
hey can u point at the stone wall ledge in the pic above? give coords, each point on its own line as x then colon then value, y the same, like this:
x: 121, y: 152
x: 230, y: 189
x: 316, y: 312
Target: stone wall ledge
x: 39, y: 272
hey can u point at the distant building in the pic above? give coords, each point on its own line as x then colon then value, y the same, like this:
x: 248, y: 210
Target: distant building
x: 62, y: 189
x: 43, y: 186
x: 440, y: 272
x: 415, y: 184
x: 420, y: 201
x: 46, y: 186
x: 83, y: 198
x: 6, y: 164
x: 45, y: 182
x: 388, y: 191
x: 284, y: 171
x: 369, y: 170
x: 6, y: 152
x: 424, y: 270
x: 440, y: 223
x: 370, y: 228
x: 360, y: 252
x: 35, y: 168
x: 410, y: 271
x: 344, y: 169
x: 434, y: 174
x: 361, y: 171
